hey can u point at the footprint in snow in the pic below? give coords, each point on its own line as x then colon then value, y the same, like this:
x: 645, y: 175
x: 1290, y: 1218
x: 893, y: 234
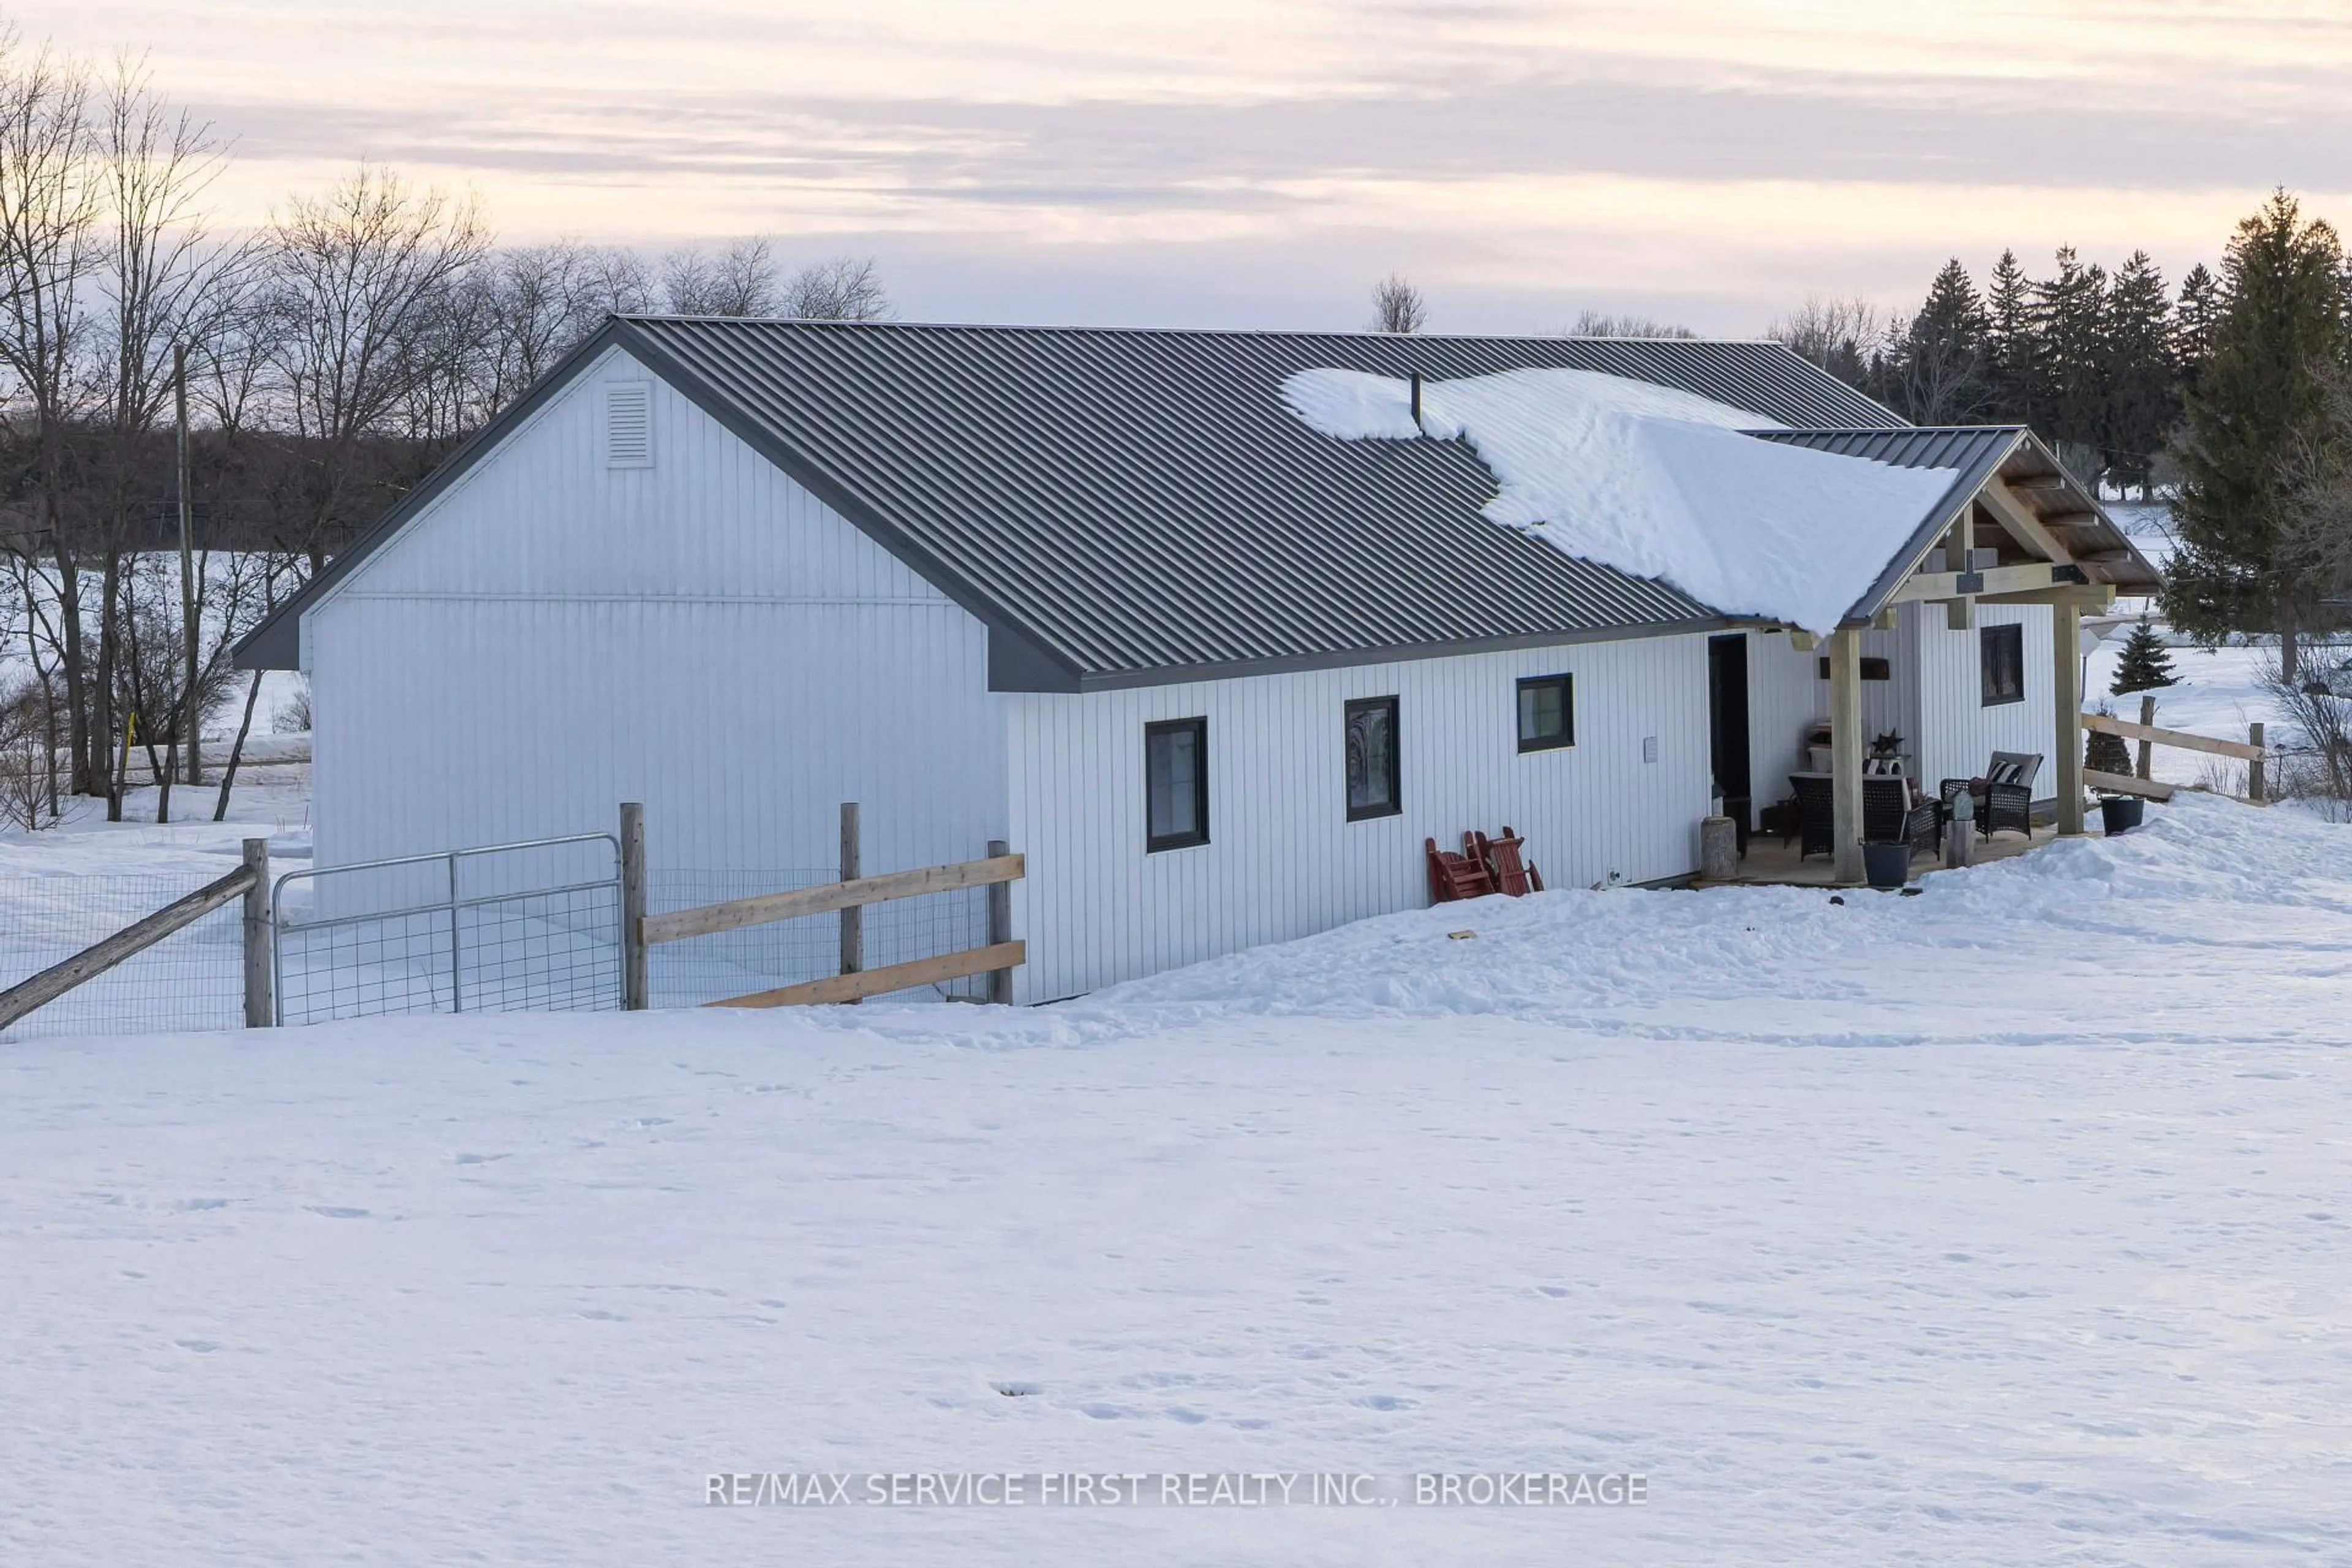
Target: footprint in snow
x: 482, y: 1158
x: 1385, y: 1402
x: 202, y: 1347
x: 332, y: 1213
x: 194, y: 1205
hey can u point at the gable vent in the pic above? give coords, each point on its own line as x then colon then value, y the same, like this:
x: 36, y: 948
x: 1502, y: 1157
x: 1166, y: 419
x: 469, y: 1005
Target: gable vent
x: 629, y: 424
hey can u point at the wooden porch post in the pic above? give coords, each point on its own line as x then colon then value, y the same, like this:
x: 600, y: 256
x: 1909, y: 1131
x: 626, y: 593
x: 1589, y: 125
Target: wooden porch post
x: 2066, y: 699
x: 1845, y: 751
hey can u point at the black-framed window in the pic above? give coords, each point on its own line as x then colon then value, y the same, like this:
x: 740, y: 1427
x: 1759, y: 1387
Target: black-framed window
x: 1176, y: 783
x: 1547, y: 712
x: 1371, y: 730
x: 2001, y: 653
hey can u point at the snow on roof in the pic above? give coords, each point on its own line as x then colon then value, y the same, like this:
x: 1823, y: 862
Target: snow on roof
x: 1655, y: 482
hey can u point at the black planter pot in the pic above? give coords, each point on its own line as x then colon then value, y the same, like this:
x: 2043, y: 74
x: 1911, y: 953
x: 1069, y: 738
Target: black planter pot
x: 1886, y: 865
x: 2120, y: 813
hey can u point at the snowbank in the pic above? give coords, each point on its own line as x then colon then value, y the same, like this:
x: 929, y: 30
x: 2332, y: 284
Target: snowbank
x: 1656, y: 482
x: 2055, y: 1273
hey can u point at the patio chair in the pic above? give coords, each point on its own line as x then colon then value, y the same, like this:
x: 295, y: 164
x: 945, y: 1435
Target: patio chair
x: 1816, y: 815
x: 2004, y: 796
x: 1514, y: 874
x: 1452, y: 875
x: 1891, y: 815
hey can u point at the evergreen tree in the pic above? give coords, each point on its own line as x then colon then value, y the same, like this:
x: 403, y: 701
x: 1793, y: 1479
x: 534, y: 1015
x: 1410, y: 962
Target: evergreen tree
x: 2193, y: 322
x: 2010, y: 342
x: 2106, y: 753
x: 1938, y: 370
x: 2261, y: 398
x: 2146, y: 664
x: 2069, y: 404
x: 2141, y: 380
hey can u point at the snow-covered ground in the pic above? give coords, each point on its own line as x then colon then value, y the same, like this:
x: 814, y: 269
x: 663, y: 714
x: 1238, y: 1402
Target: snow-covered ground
x: 2004, y: 1224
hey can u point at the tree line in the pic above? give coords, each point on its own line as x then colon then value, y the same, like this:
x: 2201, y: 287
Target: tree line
x: 325, y: 362
x: 2231, y: 396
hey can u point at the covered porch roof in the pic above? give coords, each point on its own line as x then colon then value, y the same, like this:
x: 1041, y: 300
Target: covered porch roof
x: 2013, y: 527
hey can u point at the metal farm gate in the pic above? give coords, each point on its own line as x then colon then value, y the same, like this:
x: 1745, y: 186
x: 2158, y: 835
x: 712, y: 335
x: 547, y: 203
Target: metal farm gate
x: 534, y: 926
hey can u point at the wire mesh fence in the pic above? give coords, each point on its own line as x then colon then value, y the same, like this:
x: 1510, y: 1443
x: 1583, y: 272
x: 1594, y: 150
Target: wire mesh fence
x: 193, y: 979
x: 531, y: 928
x: 512, y: 928
x: 787, y: 952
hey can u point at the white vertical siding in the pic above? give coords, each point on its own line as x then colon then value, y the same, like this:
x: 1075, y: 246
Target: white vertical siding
x: 1958, y: 733
x: 556, y: 636
x: 1785, y: 694
x: 1283, y: 860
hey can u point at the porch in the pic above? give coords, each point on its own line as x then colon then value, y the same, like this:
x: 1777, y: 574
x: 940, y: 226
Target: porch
x: 1772, y: 862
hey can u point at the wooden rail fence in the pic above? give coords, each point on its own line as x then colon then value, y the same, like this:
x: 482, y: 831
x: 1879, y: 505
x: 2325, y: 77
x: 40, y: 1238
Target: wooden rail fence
x: 249, y: 881
x: 2250, y: 750
x: 849, y: 897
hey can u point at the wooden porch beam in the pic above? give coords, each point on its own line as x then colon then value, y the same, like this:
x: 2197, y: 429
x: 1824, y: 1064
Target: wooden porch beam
x: 1845, y: 753
x: 2037, y: 576
x: 2067, y: 698
x: 2092, y: 596
x: 1961, y: 611
x: 2021, y: 520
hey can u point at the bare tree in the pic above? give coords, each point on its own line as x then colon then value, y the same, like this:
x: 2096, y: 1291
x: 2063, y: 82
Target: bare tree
x: 1603, y: 324
x: 49, y: 210
x: 1848, y: 337
x: 843, y: 290
x: 740, y: 280
x: 1397, y: 306
x: 363, y: 282
x: 166, y: 284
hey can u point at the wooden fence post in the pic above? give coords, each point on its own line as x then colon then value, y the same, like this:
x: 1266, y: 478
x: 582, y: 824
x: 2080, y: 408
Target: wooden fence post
x: 853, y: 918
x: 636, y: 990
x: 2147, y: 717
x: 260, y: 1006
x: 1000, y: 926
x: 2254, y: 780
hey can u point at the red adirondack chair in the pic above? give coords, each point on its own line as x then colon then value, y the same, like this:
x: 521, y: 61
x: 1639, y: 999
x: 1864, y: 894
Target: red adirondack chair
x: 1510, y: 874
x: 1452, y: 875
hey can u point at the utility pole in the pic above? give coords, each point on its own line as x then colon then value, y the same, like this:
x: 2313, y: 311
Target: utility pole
x: 190, y: 709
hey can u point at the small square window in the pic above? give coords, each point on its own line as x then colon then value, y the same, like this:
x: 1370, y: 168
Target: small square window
x: 1547, y: 712
x: 1372, y: 729
x: 2001, y: 650
x: 1176, y: 783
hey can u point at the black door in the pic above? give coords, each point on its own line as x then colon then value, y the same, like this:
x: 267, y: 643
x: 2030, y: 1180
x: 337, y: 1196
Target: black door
x: 1726, y: 694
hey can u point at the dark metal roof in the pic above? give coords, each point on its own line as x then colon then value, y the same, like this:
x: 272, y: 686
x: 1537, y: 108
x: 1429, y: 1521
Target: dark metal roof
x: 1135, y: 506
x: 1127, y: 506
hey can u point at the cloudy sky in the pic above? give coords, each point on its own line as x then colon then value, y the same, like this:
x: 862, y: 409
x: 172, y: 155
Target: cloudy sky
x: 1216, y: 163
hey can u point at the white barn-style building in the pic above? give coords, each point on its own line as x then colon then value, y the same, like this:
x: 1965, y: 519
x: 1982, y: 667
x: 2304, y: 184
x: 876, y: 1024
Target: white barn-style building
x: 1102, y: 595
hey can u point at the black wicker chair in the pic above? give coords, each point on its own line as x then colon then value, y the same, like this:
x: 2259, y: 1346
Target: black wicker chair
x: 2004, y: 797
x: 1816, y: 815
x: 1889, y: 816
